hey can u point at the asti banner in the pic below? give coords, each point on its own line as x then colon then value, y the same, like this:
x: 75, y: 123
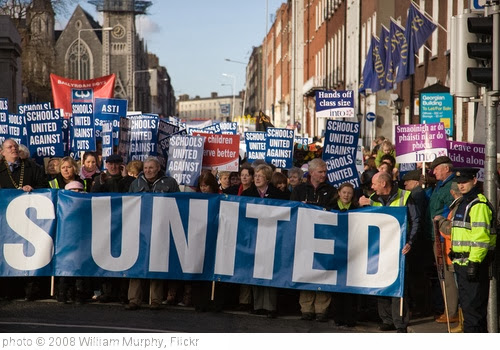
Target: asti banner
x: 195, y: 236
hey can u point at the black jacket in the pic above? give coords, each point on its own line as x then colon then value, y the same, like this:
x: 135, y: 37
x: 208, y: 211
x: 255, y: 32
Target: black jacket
x: 325, y: 195
x: 271, y: 193
x: 115, y: 183
x: 33, y: 175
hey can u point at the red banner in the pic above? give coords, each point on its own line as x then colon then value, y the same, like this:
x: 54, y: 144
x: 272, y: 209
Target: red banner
x: 102, y: 87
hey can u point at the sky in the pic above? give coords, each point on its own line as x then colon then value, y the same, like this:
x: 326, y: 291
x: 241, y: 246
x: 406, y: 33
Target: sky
x: 192, y: 39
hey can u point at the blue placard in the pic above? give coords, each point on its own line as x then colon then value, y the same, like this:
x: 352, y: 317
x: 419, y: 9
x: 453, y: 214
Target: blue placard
x: 109, y: 109
x: 212, y: 129
x: 44, y: 134
x: 437, y: 107
x: 107, y: 139
x: 255, y: 142
x: 4, y: 120
x: 82, y: 127
x: 335, y: 104
x: 185, y: 156
x: 165, y: 131
x: 229, y: 128
x: 17, y: 129
x: 23, y: 108
x: 142, y: 137
x: 195, y: 236
x: 279, y: 147
x: 339, y: 152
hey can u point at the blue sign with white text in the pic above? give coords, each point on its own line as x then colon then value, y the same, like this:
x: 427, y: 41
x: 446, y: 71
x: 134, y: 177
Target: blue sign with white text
x: 279, y: 147
x: 109, y: 109
x: 196, y: 236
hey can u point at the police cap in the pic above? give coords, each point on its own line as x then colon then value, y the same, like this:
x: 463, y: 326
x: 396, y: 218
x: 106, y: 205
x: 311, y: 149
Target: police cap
x: 464, y: 174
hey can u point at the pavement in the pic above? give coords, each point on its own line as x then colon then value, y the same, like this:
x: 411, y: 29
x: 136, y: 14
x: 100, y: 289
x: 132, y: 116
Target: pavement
x: 49, y: 316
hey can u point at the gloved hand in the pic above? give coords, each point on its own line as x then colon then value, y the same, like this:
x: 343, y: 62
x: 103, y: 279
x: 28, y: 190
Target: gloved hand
x: 473, y: 271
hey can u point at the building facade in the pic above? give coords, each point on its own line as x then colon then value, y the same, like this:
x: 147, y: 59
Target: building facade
x: 322, y: 45
x: 216, y: 108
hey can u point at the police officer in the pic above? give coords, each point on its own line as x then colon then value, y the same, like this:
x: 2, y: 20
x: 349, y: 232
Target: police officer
x: 472, y: 238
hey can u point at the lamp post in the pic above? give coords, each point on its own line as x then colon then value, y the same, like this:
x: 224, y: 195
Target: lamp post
x: 244, y: 97
x: 234, y: 99
x: 105, y: 29
x: 133, y: 84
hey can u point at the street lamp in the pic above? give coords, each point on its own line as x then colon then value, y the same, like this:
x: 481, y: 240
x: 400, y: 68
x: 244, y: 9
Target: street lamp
x: 105, y: 29
x: 234, y: 61
x: 133, y: 84
x: 245, y: 96
x: 234, y: 85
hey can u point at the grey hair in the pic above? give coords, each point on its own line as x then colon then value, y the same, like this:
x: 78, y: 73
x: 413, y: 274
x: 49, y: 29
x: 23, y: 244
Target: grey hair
x: 295, y: 170
x: 316, y: 163
x: 153, y: 159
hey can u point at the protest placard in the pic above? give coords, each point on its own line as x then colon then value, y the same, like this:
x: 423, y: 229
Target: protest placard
x: 185, y: 159
x: 109, y: 109
x: 45, y: 133
x: 255, y: 142
x: 467, y: 155
x: 229, y: 128
x: 23, y: 108
x: 220, y: 152
x: 124, y: 137
x: 143, y: 136
x: 335, y: 104
x: 279, y: 147
x: 17, y: 129
x: 4, y: 121
x: 107, y: 139
x: 82, y: 127
x: 165, y: 131
x: 420, y: 142
x: 214, y: 128
x: 339, y: 152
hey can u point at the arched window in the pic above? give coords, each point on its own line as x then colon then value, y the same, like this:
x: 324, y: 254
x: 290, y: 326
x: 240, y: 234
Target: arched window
x: 85, y: 61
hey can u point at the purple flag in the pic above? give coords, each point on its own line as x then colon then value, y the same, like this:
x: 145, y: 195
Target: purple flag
x: 368, y: 70
x: 398, y: 50
x: 418, y: 29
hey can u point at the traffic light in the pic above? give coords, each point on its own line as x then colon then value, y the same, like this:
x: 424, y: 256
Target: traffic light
x: 481, y: 50
x: 459, y: 58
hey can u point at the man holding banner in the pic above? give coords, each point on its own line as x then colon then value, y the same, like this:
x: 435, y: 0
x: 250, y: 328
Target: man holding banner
x: 315, y: 191
x: 150, y: 180
x: 388, y: 195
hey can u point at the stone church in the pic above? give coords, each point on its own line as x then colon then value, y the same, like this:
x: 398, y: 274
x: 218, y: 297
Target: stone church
x: 85, y: 49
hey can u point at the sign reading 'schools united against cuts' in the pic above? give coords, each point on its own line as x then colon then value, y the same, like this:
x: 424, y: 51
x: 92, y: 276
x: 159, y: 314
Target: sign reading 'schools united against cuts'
x: 185, y: 158
x: 335, y: 104
x: 256, y: 145
x: 45, y: 133
x: 420, y: 142
x: 279, y: 147
x: 339, y: 153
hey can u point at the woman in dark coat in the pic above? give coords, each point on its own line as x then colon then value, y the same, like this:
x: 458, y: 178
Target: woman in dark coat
x: 345, y: 304
x: 264, y: 298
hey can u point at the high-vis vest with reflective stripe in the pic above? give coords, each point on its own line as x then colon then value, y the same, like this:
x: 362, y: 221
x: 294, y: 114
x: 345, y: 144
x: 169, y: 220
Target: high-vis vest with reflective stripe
x: 55, y: 184
x: 399, y: 200
x: 474, y: 236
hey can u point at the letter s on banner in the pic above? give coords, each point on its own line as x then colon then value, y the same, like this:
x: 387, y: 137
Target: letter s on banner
x: 358, y: 256
x: 101, y: 233
x: 24, y: 227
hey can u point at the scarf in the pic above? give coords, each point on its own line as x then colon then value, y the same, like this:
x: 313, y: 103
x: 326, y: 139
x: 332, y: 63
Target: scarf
x: 84, y: 174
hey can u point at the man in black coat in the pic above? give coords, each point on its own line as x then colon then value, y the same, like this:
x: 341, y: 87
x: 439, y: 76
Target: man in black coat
x: 315, y: 191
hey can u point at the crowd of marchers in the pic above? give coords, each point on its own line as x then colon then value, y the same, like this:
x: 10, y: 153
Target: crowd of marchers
x: 449, y: 221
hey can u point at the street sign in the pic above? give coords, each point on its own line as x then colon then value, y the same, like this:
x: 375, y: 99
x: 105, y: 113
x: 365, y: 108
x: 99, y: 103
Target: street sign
x: 370, y: 116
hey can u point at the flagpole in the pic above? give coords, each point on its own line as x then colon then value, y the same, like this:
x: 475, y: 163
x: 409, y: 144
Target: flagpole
x: 429, y: 17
